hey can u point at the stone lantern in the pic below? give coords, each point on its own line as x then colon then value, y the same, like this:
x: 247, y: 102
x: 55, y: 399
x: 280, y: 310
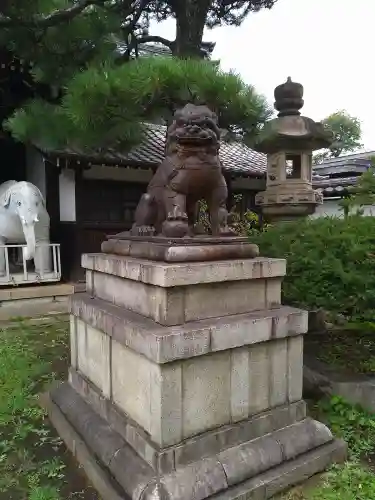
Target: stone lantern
x: 289, y: 141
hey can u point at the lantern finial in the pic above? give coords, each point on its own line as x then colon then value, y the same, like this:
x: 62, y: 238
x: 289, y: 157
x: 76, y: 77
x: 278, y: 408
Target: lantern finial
x: 289, y: 98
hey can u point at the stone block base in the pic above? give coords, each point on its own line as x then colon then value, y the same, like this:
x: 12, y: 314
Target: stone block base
x: 258, y: 469
x: 201, y: 249
x: 176, y: 293
x: 178, y: 382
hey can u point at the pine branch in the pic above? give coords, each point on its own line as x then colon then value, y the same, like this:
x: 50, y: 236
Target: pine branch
x: 156, y: 39
x: 53, y: 19
x: 137, y: 15
x: 135, y: 42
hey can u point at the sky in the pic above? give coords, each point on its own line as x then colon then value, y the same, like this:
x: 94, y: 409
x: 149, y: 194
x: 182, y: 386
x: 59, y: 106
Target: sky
x: 327, y: 45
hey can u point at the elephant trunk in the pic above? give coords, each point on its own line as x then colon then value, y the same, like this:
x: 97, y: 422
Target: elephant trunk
x: 29, y: 233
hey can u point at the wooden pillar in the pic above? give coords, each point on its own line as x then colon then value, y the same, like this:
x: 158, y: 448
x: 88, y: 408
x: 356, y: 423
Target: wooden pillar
x: 77, y: 273
x: 228, y: 180
x: 53, y: 199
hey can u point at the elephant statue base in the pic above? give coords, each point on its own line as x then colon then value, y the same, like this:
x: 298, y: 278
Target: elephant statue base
x: 24, y: 220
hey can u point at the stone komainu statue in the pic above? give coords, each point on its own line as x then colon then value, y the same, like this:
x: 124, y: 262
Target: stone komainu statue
x: 191, y: 171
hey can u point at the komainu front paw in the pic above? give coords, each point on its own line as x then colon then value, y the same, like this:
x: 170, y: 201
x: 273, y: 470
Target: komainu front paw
x: 142, y: 231
x: 177, y: 215
x: 227, y: 231
x: 175, y: 228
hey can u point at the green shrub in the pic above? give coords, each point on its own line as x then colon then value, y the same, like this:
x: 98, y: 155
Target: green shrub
x: 242, y: 222
x: 330, y: 263
x: 350, y: 422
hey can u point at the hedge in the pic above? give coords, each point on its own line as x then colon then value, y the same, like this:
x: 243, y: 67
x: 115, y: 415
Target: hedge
x: 330, y: 263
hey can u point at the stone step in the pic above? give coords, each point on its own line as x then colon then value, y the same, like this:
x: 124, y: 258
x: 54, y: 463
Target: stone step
x: 163, y: 344
x: 34, y: 301
x: 33, y: 292
x: 33, y: 308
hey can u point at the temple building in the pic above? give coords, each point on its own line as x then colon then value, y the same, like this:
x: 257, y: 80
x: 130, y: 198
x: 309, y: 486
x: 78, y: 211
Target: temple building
x: 92, y: 194
x: 335, y: 176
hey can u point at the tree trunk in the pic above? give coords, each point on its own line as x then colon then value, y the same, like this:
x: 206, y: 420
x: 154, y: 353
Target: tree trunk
x: 190, y: 21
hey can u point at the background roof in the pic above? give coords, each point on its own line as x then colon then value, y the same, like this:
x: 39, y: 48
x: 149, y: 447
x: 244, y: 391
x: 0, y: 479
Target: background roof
x: 237, y: 158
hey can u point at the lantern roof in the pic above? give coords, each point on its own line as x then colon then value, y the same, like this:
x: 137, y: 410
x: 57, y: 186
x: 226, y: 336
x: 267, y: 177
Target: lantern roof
x: 290, y: 131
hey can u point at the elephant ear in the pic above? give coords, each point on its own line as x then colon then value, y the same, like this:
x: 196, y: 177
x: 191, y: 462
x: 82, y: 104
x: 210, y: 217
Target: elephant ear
x: 41, y: 197
x: 6, y: 198
x: 36, y: 191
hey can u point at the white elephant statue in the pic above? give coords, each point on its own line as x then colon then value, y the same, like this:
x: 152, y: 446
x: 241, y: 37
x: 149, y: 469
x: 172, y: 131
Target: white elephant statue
x: 24, y: 219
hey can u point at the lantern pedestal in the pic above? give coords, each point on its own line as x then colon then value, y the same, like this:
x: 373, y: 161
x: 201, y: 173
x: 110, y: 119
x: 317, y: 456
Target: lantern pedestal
x: 279, y: 205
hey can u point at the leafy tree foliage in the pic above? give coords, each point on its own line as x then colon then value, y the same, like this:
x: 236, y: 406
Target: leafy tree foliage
x: 192, y: 16
x: 81, y: 46
x: 110, y: 105
x: 63, y: 35
x: 347, y: 135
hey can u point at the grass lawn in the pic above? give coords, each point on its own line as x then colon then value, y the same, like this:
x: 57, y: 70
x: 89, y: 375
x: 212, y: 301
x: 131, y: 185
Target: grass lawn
x: 354, y: 480
x: 34, y: 464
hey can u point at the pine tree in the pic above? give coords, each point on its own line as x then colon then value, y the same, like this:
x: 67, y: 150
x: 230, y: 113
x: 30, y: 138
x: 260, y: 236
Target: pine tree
x: 90, y: 48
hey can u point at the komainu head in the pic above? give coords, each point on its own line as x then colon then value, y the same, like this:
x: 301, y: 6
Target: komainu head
x: 194, y: 125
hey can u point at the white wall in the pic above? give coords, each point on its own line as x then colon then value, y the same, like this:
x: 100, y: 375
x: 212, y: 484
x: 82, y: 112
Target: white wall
x: 331, y: 208
x: 370, y: 210
x: 67, y: 195
x: 67, y: 188
x: 36, y: 170
x: 36, y: 174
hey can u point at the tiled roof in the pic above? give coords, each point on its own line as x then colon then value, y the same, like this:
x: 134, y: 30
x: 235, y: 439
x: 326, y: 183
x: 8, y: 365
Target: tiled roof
x: 334, y: 186
x: 237, y: 158
x: 344, y: 167
x: 158, y: 49
x: 335, y: 175
x: 364, y: 155
x: 147, y: 49
x: 154, y: 49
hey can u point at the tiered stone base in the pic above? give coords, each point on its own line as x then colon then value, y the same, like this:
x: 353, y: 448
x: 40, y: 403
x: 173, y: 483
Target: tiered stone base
x: 256, y: 469
x: 186, y: 382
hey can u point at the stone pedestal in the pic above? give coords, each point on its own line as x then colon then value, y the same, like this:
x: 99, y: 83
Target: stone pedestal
x: 186, y: 382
